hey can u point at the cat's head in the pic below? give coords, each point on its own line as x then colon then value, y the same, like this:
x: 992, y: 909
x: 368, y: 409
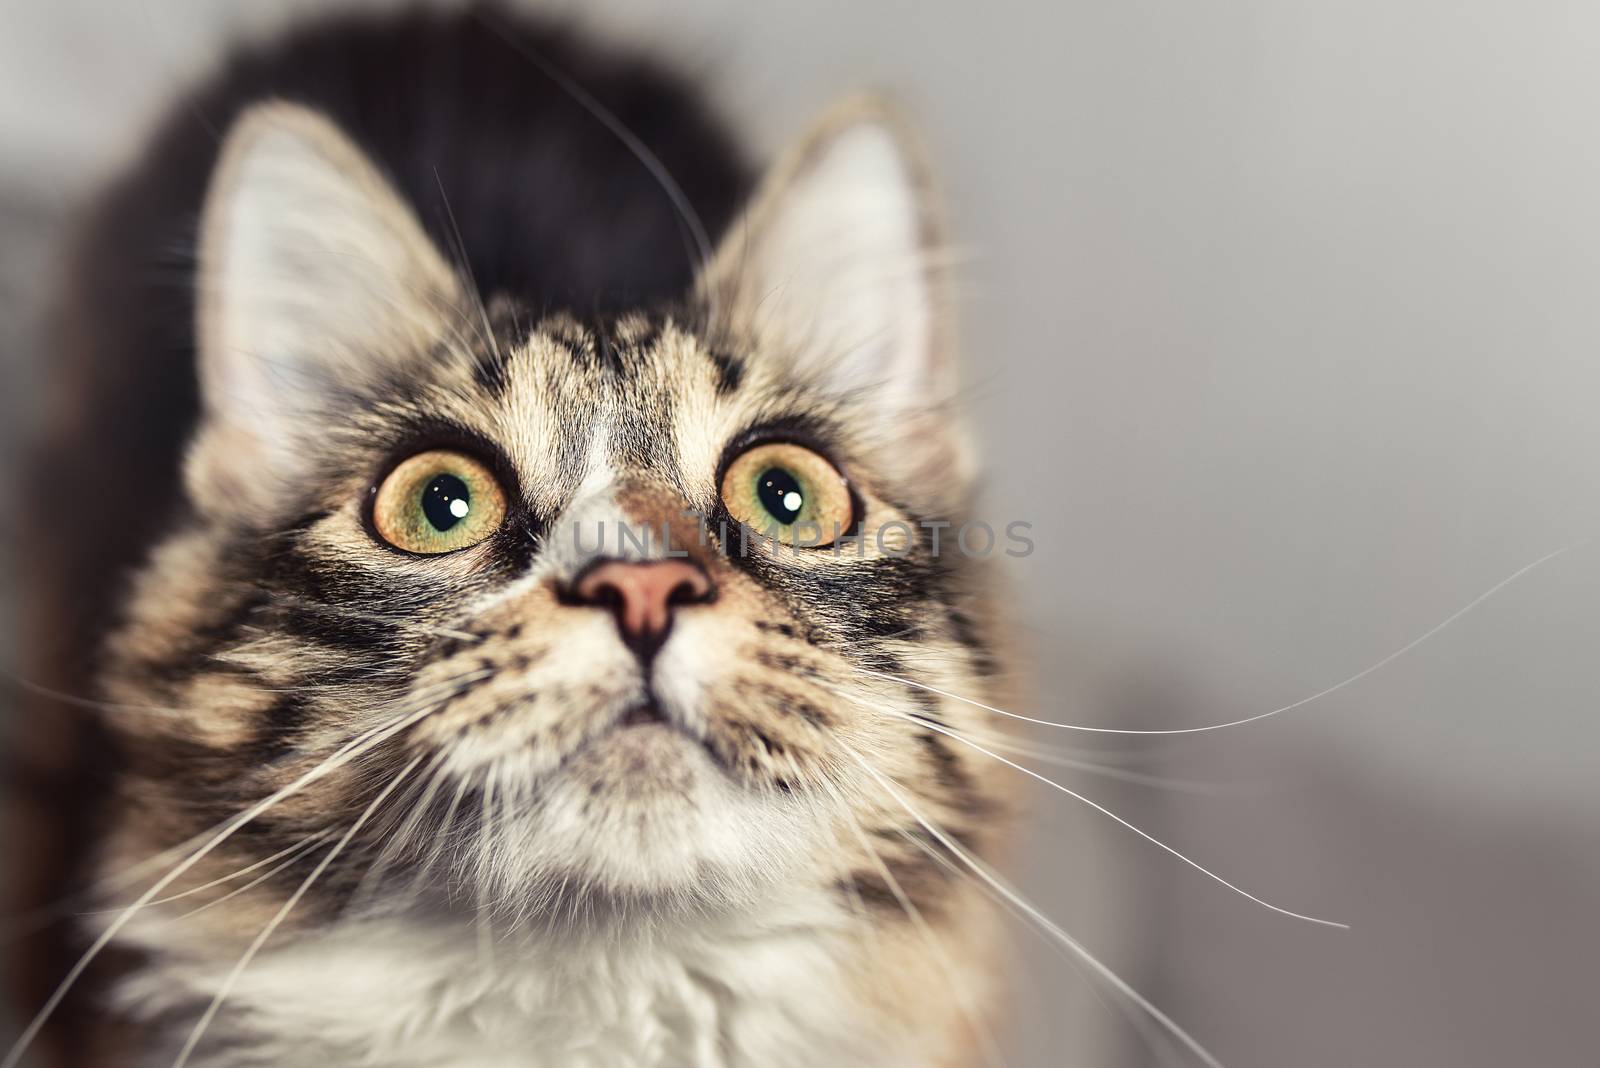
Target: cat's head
x: 502, y: 605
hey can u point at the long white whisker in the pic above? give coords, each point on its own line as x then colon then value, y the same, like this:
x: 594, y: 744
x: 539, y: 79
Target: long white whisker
x: 1357, y: 677
x: 1196, y: 865
x: 402, y: 836
x: 356, y: 747
x: 1038, y: 917
x: 1046, y: 755
x: 991, y: 1048
x: 273, y: 924
x: 305, y: 847
x: 263, y: 862
x: 17, y: 926
x: 1142, y: 1023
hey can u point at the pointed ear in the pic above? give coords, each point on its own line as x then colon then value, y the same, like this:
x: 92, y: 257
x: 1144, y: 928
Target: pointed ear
x: 315, y: 281
x: 836, y: 266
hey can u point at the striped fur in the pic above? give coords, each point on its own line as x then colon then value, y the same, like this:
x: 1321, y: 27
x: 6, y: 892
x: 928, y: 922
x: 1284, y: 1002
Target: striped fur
x: 504, y: 874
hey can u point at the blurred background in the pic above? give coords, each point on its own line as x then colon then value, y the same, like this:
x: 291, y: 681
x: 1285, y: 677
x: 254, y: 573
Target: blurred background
x: 1282, y: 331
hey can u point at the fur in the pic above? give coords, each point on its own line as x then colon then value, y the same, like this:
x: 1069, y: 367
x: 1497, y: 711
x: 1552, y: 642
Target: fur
x: 466, y: 847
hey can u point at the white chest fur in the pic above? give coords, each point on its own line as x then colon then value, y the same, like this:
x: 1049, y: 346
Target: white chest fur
x: 394, y: 993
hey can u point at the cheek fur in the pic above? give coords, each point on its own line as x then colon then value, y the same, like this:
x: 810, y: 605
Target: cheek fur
x: 517, y: 694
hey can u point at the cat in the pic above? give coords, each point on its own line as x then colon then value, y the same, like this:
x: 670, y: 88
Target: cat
x: 408, y: 755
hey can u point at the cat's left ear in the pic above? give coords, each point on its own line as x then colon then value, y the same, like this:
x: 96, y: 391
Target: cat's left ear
x: 837, y: 268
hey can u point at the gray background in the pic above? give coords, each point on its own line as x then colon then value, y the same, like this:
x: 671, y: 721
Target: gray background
x: 1282, y: 331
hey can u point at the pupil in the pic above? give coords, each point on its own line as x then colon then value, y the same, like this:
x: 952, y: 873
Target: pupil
x: 780, y: 495
x: 445, y: 501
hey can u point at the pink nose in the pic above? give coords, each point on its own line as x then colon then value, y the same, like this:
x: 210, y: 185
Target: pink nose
x: 642, y: 595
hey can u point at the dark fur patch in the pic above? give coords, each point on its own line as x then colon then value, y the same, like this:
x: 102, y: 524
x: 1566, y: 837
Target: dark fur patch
x: 730, y: 371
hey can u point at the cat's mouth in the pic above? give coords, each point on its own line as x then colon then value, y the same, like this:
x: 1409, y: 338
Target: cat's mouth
x: 648, y: 719
x: 643, y: 714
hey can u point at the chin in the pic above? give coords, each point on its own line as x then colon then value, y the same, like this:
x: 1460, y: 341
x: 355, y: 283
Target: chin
x: 641, y: 821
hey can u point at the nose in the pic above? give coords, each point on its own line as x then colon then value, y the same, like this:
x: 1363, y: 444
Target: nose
x: 642, y: 594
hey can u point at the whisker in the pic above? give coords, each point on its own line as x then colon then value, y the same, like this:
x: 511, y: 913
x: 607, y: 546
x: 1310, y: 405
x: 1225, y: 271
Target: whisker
x: 1143, y: 1024
x: 1009, y: 743
x: 1044, y: 922
x: 273, y: 924
x: 1351, y: 680
x: 630, y: 140
x: 486, y: 835
x: 75, y: 701
x: 1196, y: 865
x: 1047, y: 755
x: 986, y: 1039
x: 302, y: 850
x: 401, y: 838
x: 466, y: 265
x: 441, y: 841
x: 218, y: 881
x: 20, y: 925
x: 358, y: 746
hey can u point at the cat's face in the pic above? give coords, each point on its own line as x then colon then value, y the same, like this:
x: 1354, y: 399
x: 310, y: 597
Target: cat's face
x: 472, y: 587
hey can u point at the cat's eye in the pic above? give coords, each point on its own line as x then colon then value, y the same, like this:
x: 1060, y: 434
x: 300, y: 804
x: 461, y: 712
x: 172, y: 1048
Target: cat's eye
x: 789, y: 492
x: 437, y: 502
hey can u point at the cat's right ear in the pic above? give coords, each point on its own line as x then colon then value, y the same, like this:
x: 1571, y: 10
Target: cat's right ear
x: 837, y: 271
x: 315, y: 280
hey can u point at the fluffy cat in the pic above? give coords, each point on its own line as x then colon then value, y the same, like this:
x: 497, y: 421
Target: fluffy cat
x: 466, y: 723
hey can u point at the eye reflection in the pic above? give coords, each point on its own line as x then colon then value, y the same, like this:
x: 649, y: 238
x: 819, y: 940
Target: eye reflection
x: 446, y: 501
x: 779, y: 492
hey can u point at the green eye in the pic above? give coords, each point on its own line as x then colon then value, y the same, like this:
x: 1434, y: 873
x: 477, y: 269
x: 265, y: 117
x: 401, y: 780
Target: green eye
x: 788, y: 489
x: 438, y: 502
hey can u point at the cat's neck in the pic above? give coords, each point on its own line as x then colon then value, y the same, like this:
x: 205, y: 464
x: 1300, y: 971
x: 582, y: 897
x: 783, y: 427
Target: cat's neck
x: 772, y: 988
